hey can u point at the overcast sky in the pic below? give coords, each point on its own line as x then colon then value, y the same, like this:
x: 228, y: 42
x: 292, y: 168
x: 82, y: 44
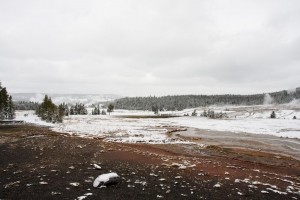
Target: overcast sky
x: 157, y: 47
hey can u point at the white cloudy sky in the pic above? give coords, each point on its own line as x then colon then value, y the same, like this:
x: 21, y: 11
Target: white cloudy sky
x: 156, y: 47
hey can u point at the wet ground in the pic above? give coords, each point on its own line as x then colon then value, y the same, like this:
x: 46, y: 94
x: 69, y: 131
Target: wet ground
x: 37, y: 163
x: 257, y: 142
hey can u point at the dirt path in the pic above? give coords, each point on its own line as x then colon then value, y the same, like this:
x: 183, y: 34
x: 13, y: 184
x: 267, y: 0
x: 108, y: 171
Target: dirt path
x: 37, y: 163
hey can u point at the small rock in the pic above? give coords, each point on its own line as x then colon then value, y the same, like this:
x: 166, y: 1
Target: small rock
x: 217, y: 185
x: 75, y: 184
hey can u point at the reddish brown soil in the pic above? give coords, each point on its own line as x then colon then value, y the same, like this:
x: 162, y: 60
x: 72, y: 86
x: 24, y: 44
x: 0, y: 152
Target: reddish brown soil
x: 37, y: 163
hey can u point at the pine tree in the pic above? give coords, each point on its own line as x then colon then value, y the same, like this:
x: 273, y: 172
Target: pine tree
x: 78, y: 109
x: 61, y: 112
x: 96, y: 110
x: 49, y: 112
x: 7, y: 110
x: 11, y: 109
x: 155, y: 109
x: 204, y: 113
x: 110, y: 108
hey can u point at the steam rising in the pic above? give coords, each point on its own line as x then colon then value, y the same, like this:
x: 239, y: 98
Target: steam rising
x: 268, y: 99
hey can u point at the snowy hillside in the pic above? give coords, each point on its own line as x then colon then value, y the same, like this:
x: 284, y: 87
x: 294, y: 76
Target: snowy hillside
x: 87, y: 99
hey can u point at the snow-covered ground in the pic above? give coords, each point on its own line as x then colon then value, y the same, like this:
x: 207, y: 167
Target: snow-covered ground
x: 31, y: 117
x: 115, y: 128
x: 241, y: 119
x: 278, y: 127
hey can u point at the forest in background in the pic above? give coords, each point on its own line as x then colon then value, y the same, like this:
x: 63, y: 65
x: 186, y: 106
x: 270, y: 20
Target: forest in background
x: 180, y: 102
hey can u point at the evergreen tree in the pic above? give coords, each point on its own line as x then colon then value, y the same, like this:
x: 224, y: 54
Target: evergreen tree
x: 78, y: 109
x: 11, y: 109
x: 60, y: 113
x: 96, y: 110
x: 211, y: 114
x: 110, y: 108
x: 155, y: 109
x: 204, y: 114
x: 64, y: 109
x: 49, y: 112
x: 7, y: 110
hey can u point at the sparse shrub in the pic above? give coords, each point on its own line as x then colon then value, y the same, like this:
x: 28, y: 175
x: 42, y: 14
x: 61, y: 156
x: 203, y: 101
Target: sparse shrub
x: 211, y: 114
x: 273, y: 115
x: 204, y: 114
x: 194, y: 113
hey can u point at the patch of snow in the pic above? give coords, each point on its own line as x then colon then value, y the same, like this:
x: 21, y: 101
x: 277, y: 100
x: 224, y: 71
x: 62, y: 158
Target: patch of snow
x: 12, y: 184
x: 104, y: 178
x: 240, y: 193
x: 55, y: 193
x: 84, y: 196
x: 29, y: 116
x: 96, y: 166
x: 277, y: 191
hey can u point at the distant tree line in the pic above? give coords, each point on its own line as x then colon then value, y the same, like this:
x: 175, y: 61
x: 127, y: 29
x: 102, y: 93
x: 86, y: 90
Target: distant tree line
x: 50, y: 112
x: 7, y: 110
x: 213, y: 115
x: 181, y: 102
x: 78, y: 109
x: 97, y: 111
x: 25, y: 105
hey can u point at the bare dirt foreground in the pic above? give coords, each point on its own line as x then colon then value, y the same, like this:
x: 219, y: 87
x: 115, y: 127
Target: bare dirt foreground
x: 36, y: 163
